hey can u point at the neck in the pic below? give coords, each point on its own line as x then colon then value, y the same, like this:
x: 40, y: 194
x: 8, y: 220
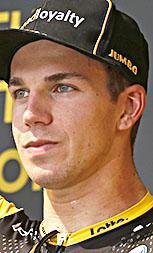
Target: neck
x: 108, y: 192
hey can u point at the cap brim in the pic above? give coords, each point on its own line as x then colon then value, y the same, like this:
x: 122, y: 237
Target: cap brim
x: 10, y: 41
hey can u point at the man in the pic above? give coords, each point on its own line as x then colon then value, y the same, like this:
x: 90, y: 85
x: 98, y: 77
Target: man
x: 77, y: 72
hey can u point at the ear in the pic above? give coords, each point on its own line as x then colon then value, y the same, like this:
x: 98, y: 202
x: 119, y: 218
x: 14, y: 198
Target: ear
x: 134, y: 104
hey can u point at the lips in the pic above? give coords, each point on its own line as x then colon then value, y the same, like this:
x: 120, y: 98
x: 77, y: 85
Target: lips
x: 40, y: 147
x: 38, y: 143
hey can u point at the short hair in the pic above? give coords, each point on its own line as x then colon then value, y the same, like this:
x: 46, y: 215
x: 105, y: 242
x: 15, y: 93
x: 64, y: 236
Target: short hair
x: 116, y: 84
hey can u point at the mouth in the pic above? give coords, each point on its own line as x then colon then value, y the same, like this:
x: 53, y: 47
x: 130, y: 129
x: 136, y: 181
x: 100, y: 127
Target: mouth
x: 39, y: 147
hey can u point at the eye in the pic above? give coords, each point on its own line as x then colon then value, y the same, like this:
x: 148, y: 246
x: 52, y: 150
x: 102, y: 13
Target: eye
x: 64, y: 88
x: 20, y: 94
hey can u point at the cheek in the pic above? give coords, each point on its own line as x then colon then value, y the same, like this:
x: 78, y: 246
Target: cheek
x: 87, y: 123
x: 16, y: 135
x: 17, y: 123
x: 17, y: 115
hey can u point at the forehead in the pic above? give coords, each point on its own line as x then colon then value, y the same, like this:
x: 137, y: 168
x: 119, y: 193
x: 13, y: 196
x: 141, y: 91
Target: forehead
x: 47, y: 49
x: 44, y: 51
x: 38, y: 60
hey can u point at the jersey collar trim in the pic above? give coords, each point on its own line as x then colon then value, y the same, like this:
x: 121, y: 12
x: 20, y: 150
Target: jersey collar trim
x: 104, y: 226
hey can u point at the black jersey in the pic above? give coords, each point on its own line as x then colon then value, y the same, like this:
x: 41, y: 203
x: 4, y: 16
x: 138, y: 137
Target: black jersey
x: 18, y: 234
x: 128, y: 232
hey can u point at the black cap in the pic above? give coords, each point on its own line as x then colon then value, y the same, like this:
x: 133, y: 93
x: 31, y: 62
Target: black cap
x: 92, y: 27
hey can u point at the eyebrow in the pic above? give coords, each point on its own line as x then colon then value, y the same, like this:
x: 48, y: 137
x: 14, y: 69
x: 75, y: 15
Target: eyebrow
x: 15, y: 81
x: 61, y: 76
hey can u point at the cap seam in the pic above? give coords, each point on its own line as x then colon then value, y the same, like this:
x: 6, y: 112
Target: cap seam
x: 103, y: 27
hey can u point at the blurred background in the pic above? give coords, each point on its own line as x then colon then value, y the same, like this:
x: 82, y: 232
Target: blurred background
x: 14, y: 182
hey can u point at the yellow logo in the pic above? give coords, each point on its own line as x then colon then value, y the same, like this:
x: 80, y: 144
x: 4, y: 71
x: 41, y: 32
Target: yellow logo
x: 120, y: 58
x: 12, y: 18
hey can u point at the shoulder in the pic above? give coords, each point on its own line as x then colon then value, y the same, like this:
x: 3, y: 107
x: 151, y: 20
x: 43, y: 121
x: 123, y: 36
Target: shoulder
x: 17, y: 230
x: 7, y: 208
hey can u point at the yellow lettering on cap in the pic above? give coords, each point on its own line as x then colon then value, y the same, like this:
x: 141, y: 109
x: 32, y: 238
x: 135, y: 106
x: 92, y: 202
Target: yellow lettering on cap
x: 120, y: 58
x: 116, y: 56
x: 135, y: 70
x: 123, y: 59
x: 129, y: 64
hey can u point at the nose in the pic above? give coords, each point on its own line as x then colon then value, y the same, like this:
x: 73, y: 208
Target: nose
x: 37, y: 111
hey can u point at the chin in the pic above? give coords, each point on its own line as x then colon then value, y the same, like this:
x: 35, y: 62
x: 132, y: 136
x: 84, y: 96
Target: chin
x: 48, y: 179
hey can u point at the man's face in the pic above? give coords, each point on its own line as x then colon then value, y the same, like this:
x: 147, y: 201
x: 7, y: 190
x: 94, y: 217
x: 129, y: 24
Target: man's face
x: 64, y: 122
